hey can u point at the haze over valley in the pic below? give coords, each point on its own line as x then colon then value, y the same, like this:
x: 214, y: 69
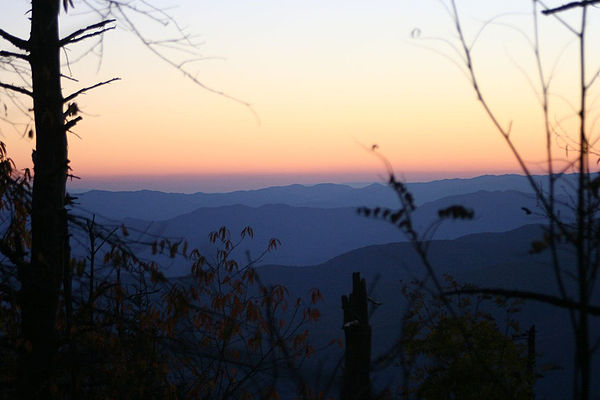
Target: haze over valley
x: 323, y: 240
x: 314, y: 223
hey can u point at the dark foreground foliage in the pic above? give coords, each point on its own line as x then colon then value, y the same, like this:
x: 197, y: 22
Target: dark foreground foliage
x: 125, y: 331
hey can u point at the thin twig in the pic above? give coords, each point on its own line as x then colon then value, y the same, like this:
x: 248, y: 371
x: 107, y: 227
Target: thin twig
x: 89, y: 35
x: 70, y: 124
x: 17, y: 89
x: 569, y: 6
x: 81, y: 91
x: 77, y: 35
x: 15, y: 55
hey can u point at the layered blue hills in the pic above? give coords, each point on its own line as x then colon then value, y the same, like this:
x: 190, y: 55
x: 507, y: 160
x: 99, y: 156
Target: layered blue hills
x: 155, y: 206
x: 324, y: 240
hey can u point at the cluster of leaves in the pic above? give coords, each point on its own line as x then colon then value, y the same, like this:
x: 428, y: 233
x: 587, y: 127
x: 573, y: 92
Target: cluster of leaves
x: 464, y: 354
x: 233, y: 331
x: 126, y: 331
x: 402, y: 217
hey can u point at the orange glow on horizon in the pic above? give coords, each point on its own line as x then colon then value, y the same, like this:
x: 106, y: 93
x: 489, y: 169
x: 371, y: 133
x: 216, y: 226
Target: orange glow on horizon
x: 323, y: 91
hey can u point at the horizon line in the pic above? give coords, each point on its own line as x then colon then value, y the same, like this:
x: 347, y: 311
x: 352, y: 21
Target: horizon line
x: 226, y: 183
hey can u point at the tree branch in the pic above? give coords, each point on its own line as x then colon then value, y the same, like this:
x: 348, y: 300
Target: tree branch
x: 15, y: 55
x: 17, y: 89
x: 70, y: 124
x: 519, y: 294
x: 81, y: 91
x: 15, y: 41
x: 89, y: 35
x: 568, y: 6
x: 79, y: 34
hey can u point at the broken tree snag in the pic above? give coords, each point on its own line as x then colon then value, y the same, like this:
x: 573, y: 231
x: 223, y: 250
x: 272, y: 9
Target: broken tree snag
x: 356, y: 384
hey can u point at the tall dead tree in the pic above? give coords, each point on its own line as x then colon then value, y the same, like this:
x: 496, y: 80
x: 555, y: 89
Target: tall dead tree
x: 43, y: 271
x: 41, y: 274
x: 41, y: 279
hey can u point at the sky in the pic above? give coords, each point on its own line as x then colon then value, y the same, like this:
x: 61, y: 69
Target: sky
x: 326, y: 80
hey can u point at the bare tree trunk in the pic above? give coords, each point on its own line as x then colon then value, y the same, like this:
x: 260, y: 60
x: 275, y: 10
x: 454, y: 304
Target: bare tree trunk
x: 41, y: 280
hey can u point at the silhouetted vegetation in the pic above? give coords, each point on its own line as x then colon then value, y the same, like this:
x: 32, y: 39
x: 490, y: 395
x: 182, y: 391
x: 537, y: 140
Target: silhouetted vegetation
x: 469, y: 355
x: 125, y: 331
x: 580, y: 235
x: 119, y: 329
x: 575, y: 282
x: 111, y: 325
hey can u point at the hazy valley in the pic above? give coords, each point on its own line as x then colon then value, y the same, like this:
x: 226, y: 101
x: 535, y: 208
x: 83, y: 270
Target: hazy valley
x: 324, y: 240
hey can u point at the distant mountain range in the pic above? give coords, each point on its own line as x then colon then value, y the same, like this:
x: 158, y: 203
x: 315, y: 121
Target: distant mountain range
x: 156, y: 206
x: 324, y: 240
x: 314, y: 235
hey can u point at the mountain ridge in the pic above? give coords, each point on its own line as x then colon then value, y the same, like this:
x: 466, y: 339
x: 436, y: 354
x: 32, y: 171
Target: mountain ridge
x: 156, y: 205
x: 310, y: 235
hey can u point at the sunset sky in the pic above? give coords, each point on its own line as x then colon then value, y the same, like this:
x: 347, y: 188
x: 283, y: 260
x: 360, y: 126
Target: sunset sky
x: 326, y: 79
